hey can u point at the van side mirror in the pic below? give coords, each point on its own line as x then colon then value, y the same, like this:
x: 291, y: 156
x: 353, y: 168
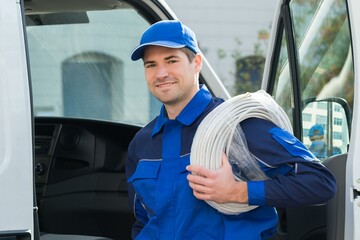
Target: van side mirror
x: 326, y: 126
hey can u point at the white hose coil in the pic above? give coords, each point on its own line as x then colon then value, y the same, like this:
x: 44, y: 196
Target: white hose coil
x: 218, y: 131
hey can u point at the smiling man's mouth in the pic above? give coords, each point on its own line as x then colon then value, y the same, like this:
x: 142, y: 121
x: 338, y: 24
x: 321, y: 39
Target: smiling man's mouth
x: 162, y: 85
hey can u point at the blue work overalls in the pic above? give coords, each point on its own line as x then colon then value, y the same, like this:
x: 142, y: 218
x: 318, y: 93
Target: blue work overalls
x: 162, y: 200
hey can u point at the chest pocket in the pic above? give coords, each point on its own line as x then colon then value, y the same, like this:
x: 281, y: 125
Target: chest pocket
x: 144, y: 181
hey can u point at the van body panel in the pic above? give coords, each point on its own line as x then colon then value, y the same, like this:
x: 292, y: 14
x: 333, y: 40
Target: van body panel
x: 16, y: 149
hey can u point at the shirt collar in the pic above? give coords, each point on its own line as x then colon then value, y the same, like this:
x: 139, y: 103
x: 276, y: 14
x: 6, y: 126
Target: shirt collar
x: 191, y: 111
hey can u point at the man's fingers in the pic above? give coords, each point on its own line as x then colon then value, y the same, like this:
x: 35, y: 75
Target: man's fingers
x: 201, y: 192
x: 224, y: 160
x: 198, y: 170
x: 198, y: 188
x: 201, y: 196
x: 202, y: 171
x: 197, y: 179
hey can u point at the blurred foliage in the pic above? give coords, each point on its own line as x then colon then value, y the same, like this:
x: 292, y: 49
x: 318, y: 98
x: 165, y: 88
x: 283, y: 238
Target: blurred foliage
x: 249, y: 69
x: 323, y: 59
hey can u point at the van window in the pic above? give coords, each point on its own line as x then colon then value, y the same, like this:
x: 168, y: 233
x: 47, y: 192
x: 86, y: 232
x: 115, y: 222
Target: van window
x: 324, y: 78
x: 283, y: 86
x: 81, y: 68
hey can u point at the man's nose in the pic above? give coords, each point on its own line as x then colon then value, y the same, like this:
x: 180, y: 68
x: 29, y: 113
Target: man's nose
x: 161, y: 72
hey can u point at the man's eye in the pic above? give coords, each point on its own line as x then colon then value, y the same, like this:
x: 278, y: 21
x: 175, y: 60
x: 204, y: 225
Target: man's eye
x: 149, y: 65
x: 172, y: 61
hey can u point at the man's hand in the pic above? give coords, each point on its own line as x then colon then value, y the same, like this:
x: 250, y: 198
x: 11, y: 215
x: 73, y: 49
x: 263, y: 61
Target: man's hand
x: 219, y: 185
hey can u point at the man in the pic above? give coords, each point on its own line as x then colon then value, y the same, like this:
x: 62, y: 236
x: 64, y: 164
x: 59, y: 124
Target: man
x: 318, y: 145
x: 167, y: 201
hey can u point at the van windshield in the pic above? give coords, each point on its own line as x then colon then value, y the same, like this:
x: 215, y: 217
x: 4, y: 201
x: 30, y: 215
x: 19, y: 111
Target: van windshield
x: 81, y: 68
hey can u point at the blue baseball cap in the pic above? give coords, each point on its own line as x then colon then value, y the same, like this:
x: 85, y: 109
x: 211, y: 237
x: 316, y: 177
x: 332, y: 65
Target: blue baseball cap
x: 316, y: 130
x: 166, y: 33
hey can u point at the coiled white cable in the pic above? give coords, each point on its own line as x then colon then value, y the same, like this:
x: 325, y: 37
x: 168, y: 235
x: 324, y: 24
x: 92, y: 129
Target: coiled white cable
x: 216, y: 133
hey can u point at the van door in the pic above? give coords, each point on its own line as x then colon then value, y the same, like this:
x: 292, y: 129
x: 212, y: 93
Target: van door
x: 16, y: 155
x: 352, y: 209
x: 311, y: 72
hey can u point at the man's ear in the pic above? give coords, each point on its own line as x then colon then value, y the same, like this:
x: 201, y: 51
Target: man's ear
x: 198, y: 62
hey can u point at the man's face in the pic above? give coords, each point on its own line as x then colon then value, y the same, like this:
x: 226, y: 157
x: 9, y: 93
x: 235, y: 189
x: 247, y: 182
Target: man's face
x: 170, y: 76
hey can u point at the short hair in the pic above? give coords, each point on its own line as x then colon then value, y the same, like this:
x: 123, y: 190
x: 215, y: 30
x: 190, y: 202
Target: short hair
x: 189, y: 53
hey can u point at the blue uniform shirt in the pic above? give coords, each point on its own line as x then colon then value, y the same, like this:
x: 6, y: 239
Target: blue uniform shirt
x: 162, y: 200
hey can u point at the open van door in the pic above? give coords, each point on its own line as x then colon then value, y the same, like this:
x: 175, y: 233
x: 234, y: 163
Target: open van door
x: 312, y: 71
x: 352, y: 205
x: 16, y: 153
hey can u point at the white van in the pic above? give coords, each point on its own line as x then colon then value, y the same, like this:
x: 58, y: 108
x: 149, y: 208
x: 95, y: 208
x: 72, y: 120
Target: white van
x: 71, y: 100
